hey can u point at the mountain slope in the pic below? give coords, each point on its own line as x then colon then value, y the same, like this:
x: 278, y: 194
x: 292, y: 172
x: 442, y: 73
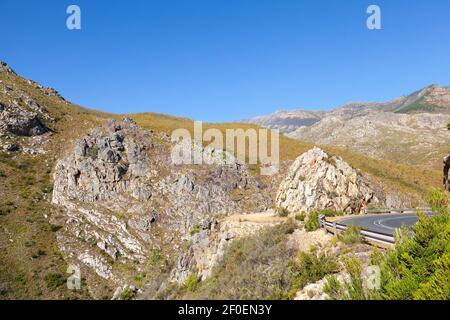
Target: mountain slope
x: 31, y: 262
x: 409, y: 130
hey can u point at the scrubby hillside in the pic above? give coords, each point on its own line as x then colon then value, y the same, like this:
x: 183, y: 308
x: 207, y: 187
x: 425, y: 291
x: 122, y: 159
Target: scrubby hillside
x: 78, y: 185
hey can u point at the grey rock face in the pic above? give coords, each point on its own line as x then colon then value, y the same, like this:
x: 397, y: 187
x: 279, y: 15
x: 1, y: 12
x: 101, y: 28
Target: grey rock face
x: 121, y: 196
x: 17, y: 121
x: 317, y: 180
x: 104, y: 166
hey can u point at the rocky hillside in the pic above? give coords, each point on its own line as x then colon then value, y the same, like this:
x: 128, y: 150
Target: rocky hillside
x: 409, y: 130
x: 92, y: 189
x: 416, y: 139
x: 119, y: 191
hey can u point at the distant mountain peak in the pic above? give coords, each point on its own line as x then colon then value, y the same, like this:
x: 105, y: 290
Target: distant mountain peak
x: 430, y: 99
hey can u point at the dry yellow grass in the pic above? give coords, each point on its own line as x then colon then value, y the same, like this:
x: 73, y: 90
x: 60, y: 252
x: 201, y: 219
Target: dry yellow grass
x: 404, y: 178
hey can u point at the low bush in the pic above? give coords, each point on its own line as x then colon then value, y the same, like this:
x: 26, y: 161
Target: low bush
x: 127, y: 294
x: 282, y: 212
x: 313, y: 266
x: 195, y: 229
x: 300, y: 216
x: 352, y: 289
x: 419, y: 266
x: 256, y: 267
x: 312, y: 223
x: 192, y: 282
x: 351, y: 235
x: 54, y: 280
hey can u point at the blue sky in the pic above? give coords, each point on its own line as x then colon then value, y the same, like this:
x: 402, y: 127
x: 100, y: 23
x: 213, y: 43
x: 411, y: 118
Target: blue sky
x: 222, y: 60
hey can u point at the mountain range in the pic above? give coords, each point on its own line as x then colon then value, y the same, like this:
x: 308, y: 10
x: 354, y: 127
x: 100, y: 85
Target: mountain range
x: 410, y: 129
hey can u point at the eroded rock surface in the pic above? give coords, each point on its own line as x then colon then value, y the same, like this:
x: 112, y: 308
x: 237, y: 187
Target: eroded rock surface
x: 17, y: 121
x: 317, y: 180
x: 120, y: 197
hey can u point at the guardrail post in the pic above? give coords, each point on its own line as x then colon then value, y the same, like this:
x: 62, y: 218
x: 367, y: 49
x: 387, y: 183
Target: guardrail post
x: 334, y: 229
x: 322, y: 225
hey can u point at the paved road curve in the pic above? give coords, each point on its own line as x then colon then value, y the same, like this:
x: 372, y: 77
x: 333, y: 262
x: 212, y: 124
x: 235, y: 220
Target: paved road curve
x: 383, y: 223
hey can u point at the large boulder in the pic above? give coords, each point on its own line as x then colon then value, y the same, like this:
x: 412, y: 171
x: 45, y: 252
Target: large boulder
x: 318, y: 180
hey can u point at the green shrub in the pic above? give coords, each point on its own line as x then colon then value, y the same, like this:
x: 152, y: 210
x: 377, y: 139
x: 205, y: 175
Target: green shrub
x: 53, y: 227
x: 153, y: 257
x: 438, y: 200
x: 195, y: 229
x: 54, y: 280
x: 2, y: 174
x: 448, y: 125
x: 282, y: 212
x: 127, y: 294
x: 300, y: 216
x: 47, y: 189
x: 313, y: 266
x: 192, y: 282
x: 312, y: 223
x: 418, y: 267
x: 334, y: 288
x: 256, y: 267
x: 351, y: 235
x: 354, y: 288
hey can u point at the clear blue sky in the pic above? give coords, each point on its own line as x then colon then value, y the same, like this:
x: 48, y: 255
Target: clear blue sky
x: 220, y: 60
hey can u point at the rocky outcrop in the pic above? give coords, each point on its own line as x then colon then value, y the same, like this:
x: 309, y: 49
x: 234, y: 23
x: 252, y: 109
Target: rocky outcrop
x: 106, y: 167
x: 317, y: 180
x: 446, y: 173
x: 121, y: 197
x: 17, y: 121
x: 213, y: 238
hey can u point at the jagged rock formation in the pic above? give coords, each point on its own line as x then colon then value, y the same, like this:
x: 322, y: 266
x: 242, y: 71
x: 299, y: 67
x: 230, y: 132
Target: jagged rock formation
x: 446, y: 173
x: 17, y: 121
x: 317, y: 180
x: 120, y: 192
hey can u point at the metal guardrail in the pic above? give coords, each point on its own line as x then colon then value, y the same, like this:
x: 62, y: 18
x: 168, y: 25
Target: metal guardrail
x: 380, y: 239
x: 377, y: 238
x: 394, y: 211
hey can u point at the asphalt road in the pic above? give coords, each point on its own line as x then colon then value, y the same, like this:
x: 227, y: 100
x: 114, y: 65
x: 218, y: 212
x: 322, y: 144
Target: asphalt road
x: 383, y: 223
